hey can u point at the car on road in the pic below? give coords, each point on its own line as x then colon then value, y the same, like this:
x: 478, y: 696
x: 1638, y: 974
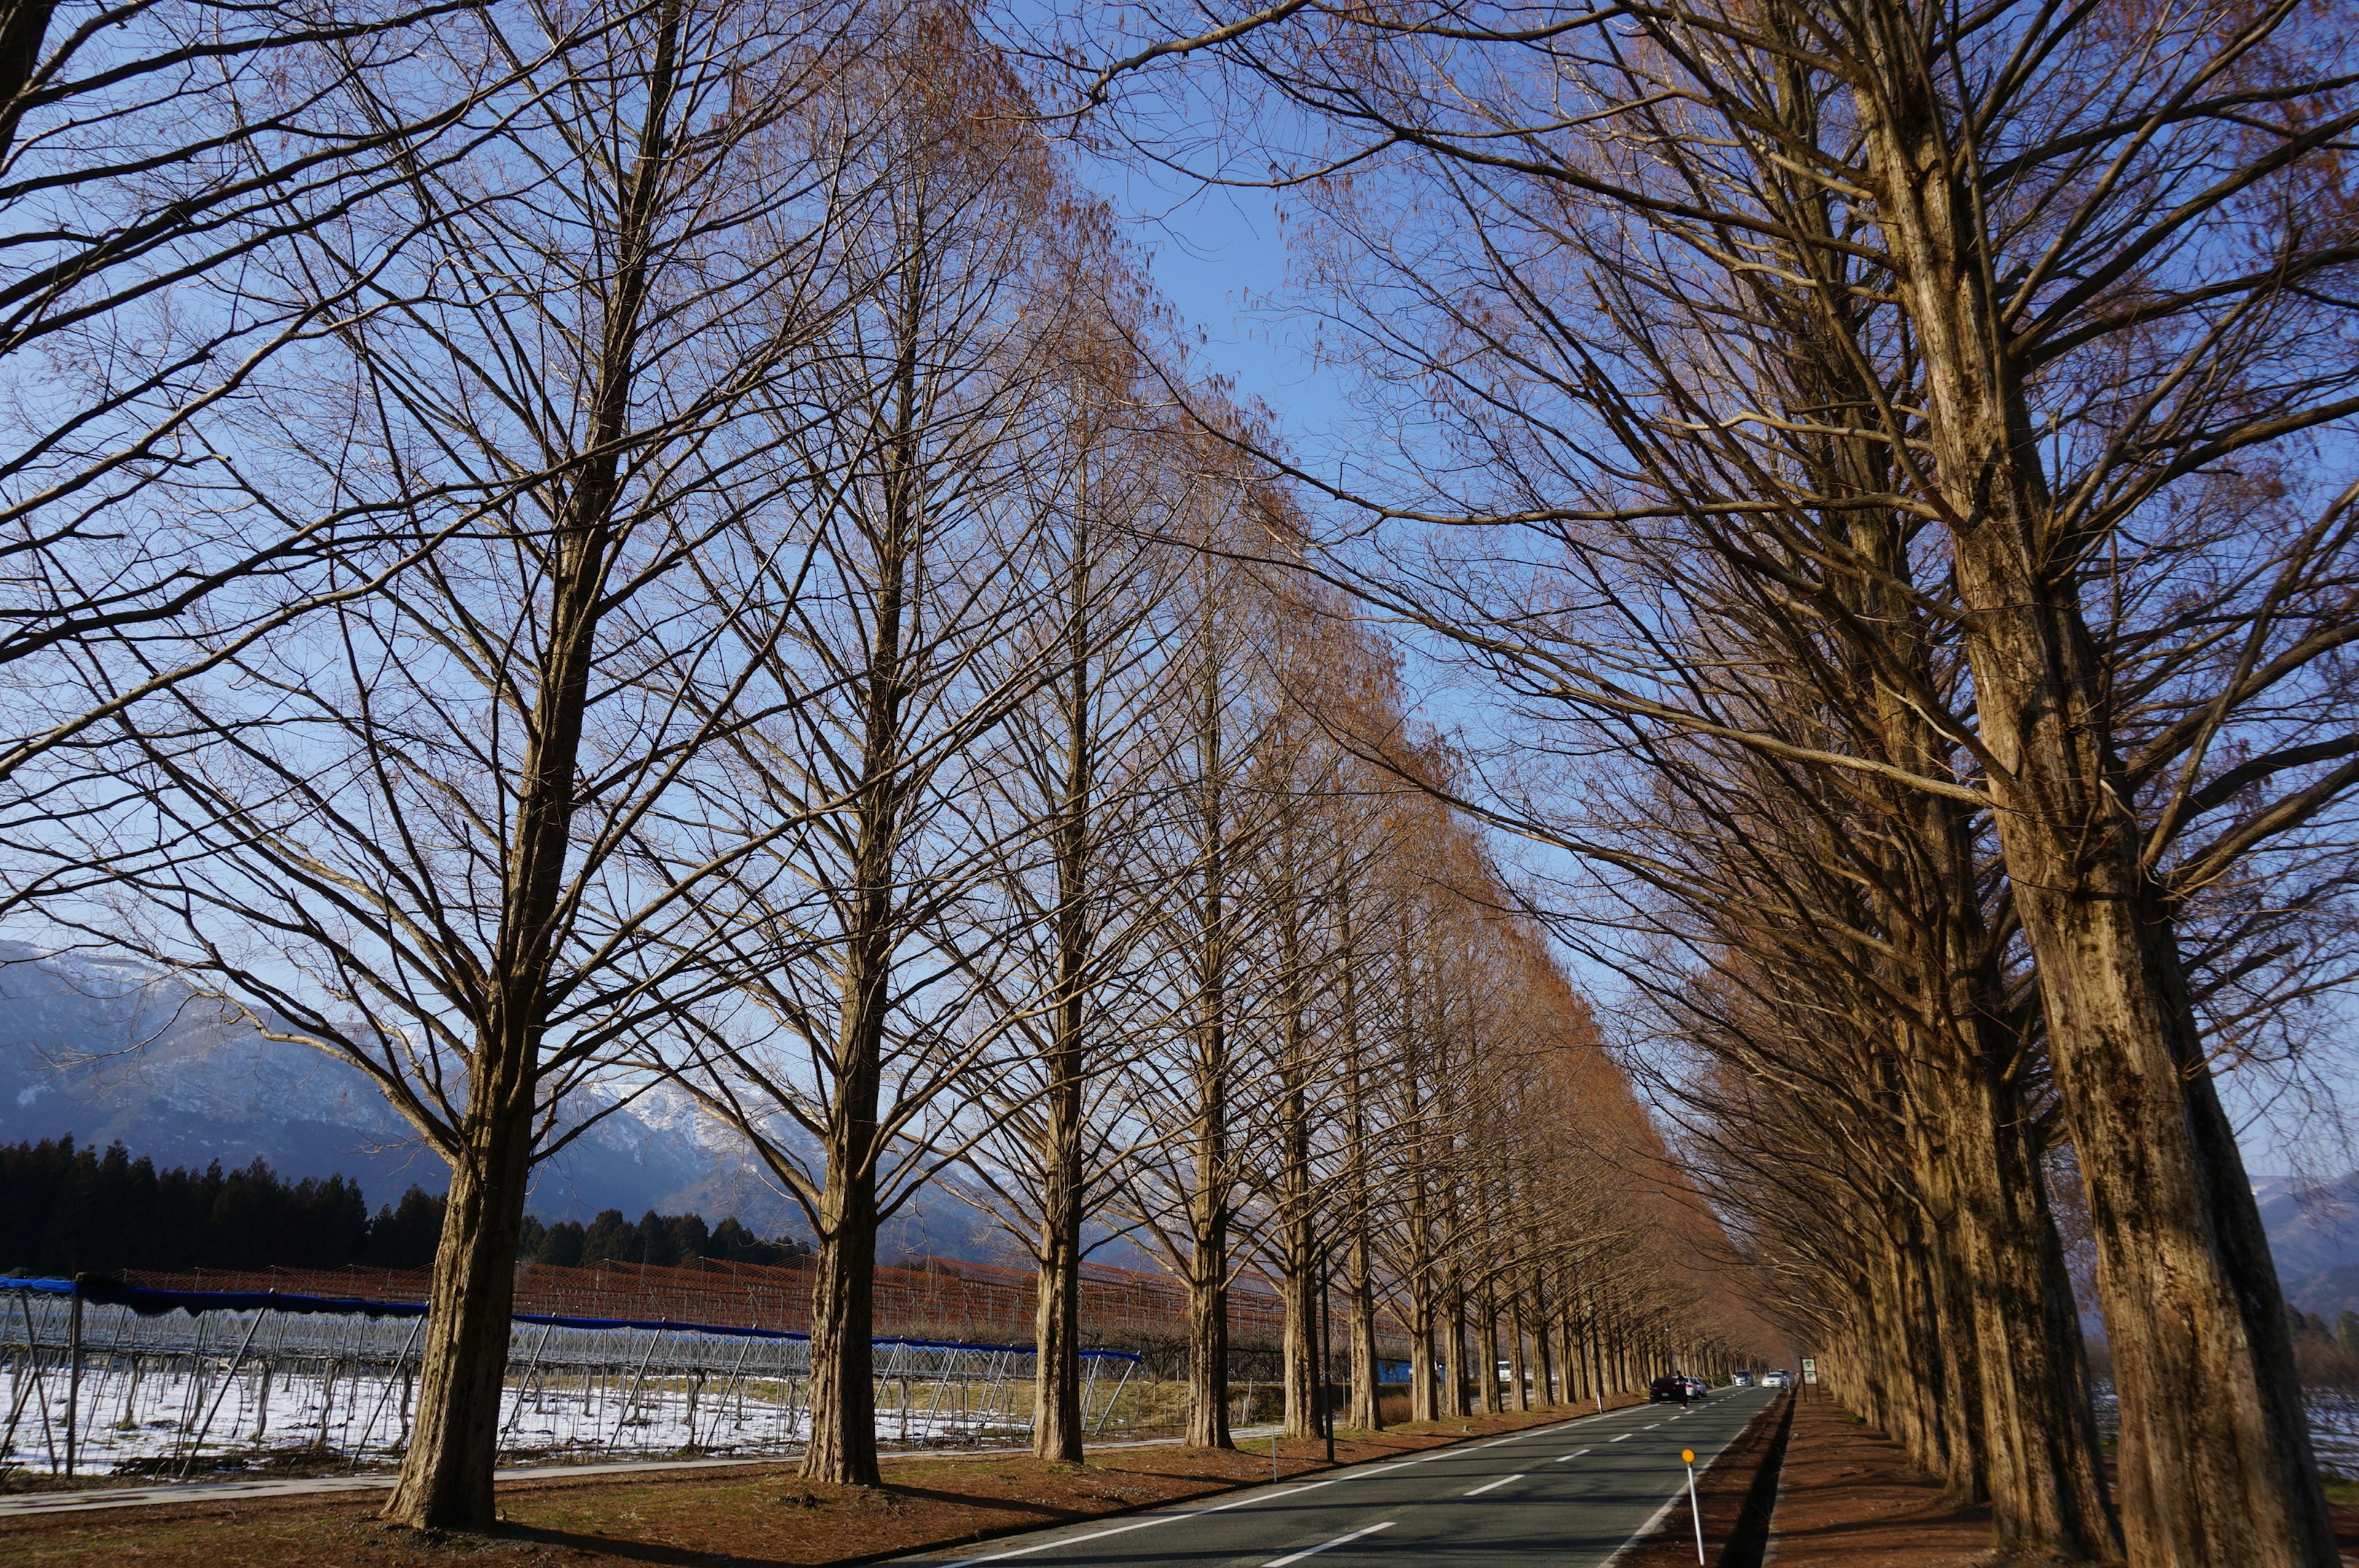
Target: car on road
x: 1675, y: 1389
x: 1740, y: 1379
x: 1776, y: 1380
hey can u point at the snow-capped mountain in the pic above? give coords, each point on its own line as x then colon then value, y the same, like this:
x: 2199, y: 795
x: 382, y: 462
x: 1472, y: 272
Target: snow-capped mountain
x: 107, y: 1051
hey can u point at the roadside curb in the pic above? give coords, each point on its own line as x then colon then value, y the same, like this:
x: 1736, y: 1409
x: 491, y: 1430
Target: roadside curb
x: 1734, y: 1549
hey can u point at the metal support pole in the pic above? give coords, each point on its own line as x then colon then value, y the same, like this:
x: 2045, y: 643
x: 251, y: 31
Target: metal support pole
x: 228, y: 1378
x: 1687, y: 1457
x: 73, y: 1375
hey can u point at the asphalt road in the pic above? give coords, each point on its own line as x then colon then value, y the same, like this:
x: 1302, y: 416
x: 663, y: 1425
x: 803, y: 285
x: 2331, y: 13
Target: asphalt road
x: 1569, y: 1496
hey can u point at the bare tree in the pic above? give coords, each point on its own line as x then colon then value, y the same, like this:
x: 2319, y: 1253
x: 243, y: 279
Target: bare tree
x: 157, y: 160
x: 404, y: 835
x: 1071, y: 797
x: 848, y: 944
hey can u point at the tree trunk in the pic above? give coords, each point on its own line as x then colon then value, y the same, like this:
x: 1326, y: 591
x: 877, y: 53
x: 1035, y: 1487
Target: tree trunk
x: 1208, y: 1363
x: 1300, y: 1289
x: 1453, y: 1386
x: 1544, y: 1346
x: 1422, y: 1372
x: 1057, y: 1415
x: 843, y: 1447
x: 446, y: 1471
x: 2039, y: 1430
x: 2216, y: 1467
x: 1366, y: 1414
x: 1521, y: 1390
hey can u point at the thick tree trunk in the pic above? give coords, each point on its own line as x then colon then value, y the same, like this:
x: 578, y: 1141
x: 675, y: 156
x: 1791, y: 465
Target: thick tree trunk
x: 1299, y: 1289
x: 1057, y: 1415
x: 1422, y: 1373
x: 446, y: 1472
x: 2216, y: 1467
x: 1208, y: 1363
x: 2039, y: 1427
x: 1517, y: 1369
x: 843, y: 1447
x: 1366, y: 1413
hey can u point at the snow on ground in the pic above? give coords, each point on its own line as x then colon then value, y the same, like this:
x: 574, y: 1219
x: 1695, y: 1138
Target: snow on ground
x: 142, y: 1422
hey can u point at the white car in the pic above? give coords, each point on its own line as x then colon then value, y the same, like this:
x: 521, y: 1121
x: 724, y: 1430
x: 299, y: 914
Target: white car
x: 1776, y: 1380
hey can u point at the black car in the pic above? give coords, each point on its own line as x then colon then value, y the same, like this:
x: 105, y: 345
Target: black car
x: 1675, y: 1391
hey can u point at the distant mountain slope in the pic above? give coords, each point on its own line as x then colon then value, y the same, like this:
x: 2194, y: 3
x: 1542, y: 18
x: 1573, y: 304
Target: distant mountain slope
x: 2314, y: 1232
x: 105, y: 1051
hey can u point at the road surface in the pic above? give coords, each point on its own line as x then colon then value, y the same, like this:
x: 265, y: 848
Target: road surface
x: 1569, y: 1496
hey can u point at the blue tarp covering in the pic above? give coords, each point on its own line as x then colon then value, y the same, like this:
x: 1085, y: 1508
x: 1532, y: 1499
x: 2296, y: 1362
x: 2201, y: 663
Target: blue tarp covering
x: 140, y: 1299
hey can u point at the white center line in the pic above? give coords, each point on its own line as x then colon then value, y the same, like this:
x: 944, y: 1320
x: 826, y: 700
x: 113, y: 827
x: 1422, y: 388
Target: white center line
x: 1626, y: 1437
x: 1652, y: 1428
x: 1574, y: 1455
x: 1489, y: 1485
x: 1312, y: 1551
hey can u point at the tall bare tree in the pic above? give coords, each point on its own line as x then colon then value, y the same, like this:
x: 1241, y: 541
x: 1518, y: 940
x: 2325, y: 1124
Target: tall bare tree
x: 928, y: 434
x: 405, y: 835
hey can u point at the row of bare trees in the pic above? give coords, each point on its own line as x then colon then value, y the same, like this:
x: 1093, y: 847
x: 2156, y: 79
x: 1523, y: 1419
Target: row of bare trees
x: 1893, y: 463
x: 556, y: 550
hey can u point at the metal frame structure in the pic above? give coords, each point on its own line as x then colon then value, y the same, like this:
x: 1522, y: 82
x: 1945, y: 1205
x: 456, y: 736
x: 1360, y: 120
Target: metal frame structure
x: 93, y: 1386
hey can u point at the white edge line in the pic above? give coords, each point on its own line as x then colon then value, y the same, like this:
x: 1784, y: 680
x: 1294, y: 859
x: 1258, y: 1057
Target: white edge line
x: 1490, y: 1485
x: 1264, y: 1497
x: 1135, y: 1524
x: 1645, y: 1530
x: 1314, y: 1550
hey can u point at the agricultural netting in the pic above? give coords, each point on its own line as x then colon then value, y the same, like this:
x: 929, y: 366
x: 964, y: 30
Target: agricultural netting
x: 183, y: 1384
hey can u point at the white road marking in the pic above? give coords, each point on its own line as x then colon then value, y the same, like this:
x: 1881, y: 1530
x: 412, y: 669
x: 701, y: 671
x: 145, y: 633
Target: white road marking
x: 1313, y: 1550
x: 1626, y: 1437
x: 1574, y: 1455
x: 1490, y: 1485
x: 1645, y: 1530
x: 1140, y: 1524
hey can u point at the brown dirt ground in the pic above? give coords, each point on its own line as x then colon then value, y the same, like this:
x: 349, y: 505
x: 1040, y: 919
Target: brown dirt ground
x: 1721, y: 1491
x: 758, y: 1517
x: 1851, y: 1500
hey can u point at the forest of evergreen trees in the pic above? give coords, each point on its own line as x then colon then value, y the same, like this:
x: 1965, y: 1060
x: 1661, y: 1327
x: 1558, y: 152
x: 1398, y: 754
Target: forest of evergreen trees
x: 68, y: 1208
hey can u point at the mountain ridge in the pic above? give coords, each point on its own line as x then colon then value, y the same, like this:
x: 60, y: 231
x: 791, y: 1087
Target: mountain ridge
x: 107, y: 1051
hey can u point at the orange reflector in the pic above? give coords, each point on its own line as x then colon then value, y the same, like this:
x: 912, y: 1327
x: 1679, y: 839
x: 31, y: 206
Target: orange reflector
x: 1688, y: 1455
